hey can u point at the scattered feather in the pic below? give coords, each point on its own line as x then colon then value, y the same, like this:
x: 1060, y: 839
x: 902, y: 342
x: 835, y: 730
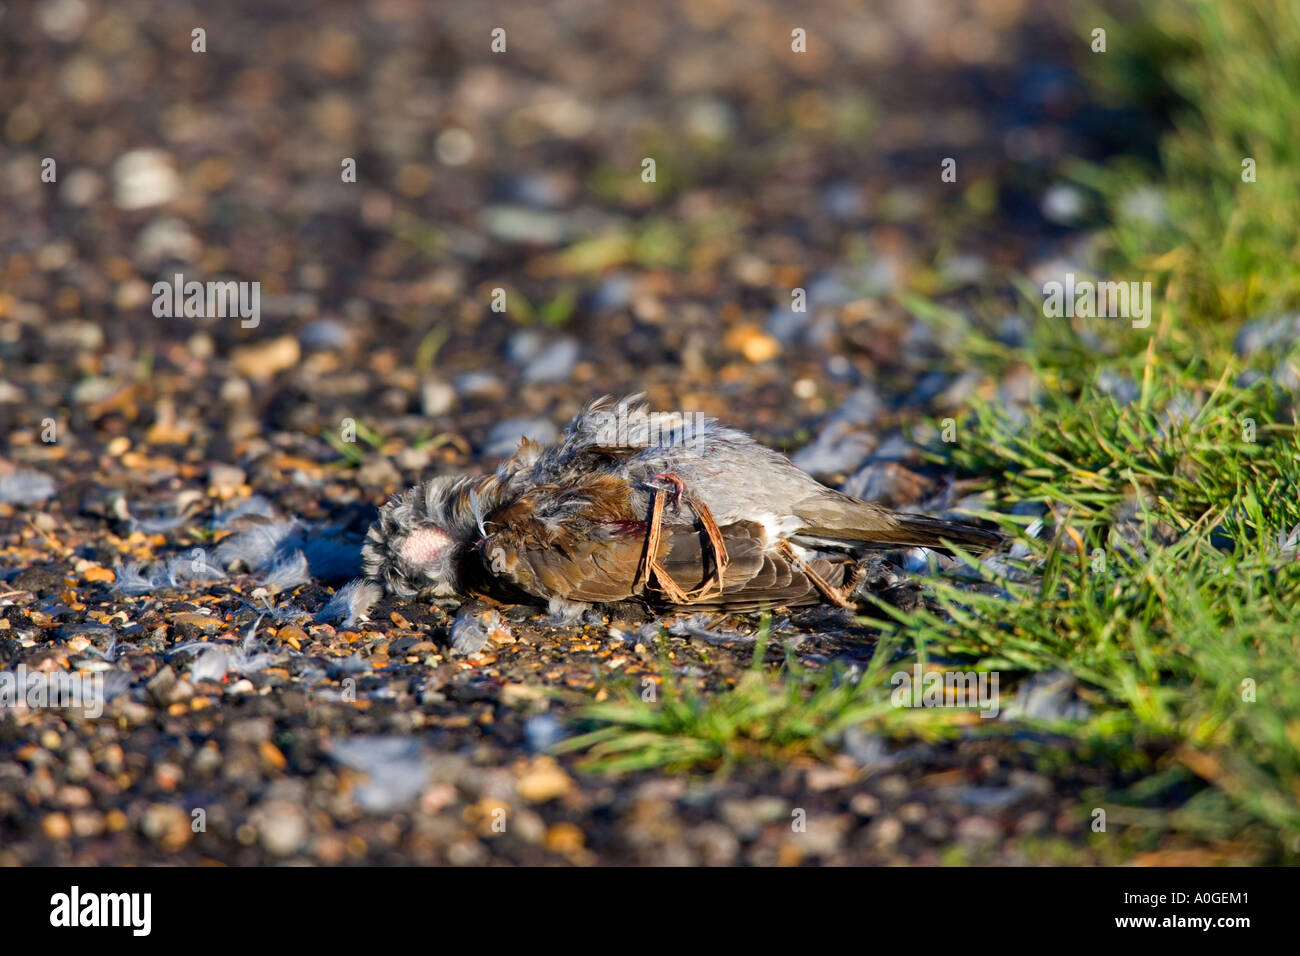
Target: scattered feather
x: 110, y: 653
x: 279, y: 613
x: 254, y: 507
x: 131, y: 579
x: 214, y: 659
x: 350, y: 603
x: 24, y: 487
x: 288, y: 573
x: 309, y: 676
x: 396, y: 768
x: 212, y: 663
x: 562, y: 613
x: 194, y: 567
x: 650, y: 634
x: 258, y: 548
x: 696, y: 626
x: 250, y: 657
x: 473, y: 628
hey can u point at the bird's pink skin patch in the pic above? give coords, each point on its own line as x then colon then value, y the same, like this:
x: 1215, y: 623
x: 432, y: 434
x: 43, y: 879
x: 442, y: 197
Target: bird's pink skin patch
x: 422, y: 547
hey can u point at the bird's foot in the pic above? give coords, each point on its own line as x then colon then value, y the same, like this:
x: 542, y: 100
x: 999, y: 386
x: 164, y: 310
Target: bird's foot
x: 648, y: 565
x: 673, y: 486
x: 837, y: 596
x: 673, y: 490
x: 720, y: 557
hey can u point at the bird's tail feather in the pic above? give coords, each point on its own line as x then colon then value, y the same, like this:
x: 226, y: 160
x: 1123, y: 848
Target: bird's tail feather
x: 906, y: 530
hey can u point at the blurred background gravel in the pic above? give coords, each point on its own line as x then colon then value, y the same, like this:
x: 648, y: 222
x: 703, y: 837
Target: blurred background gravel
x: 476, y: 171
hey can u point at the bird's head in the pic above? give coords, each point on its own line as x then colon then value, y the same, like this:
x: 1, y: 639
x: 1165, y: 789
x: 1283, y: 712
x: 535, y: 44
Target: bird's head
x: 421, y: 537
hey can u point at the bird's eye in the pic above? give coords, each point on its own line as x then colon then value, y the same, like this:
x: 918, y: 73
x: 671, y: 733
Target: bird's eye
x: 423, y: 547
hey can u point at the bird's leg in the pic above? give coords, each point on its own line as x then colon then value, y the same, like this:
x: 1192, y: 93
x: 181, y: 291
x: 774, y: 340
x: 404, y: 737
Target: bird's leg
x: 856, y: 577
x: 643, y: 569
x: 676, y: 493
x: 720, y: 557
x: 649, y: 568
x: 831, y: 594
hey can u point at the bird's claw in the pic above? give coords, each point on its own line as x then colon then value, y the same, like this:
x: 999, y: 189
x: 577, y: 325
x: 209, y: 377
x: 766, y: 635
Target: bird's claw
x: 673, y: 488
x: 837, y: 596
x: 668, y: 484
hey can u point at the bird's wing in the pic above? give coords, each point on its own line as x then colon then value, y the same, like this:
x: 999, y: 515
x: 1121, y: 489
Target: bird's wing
x: 757, y: 576
x: 583, y: 542
x: 579, y: 542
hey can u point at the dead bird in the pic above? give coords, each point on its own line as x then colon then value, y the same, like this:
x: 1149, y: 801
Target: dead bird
x: 677, y: 511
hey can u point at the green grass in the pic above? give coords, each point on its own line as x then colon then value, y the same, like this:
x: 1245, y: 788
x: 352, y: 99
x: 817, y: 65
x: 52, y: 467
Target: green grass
x: 348, y: 449
x: 1160, y: 579
x: 765, y: 714
x: 1223, y: 248
x: 1164, y: 586
x: 768, y: 714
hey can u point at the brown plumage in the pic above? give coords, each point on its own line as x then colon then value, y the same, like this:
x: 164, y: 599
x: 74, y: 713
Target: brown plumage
x: 732, y: 525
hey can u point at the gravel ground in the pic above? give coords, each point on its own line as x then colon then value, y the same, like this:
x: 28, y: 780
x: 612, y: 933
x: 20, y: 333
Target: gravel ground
x: 180, y: 496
